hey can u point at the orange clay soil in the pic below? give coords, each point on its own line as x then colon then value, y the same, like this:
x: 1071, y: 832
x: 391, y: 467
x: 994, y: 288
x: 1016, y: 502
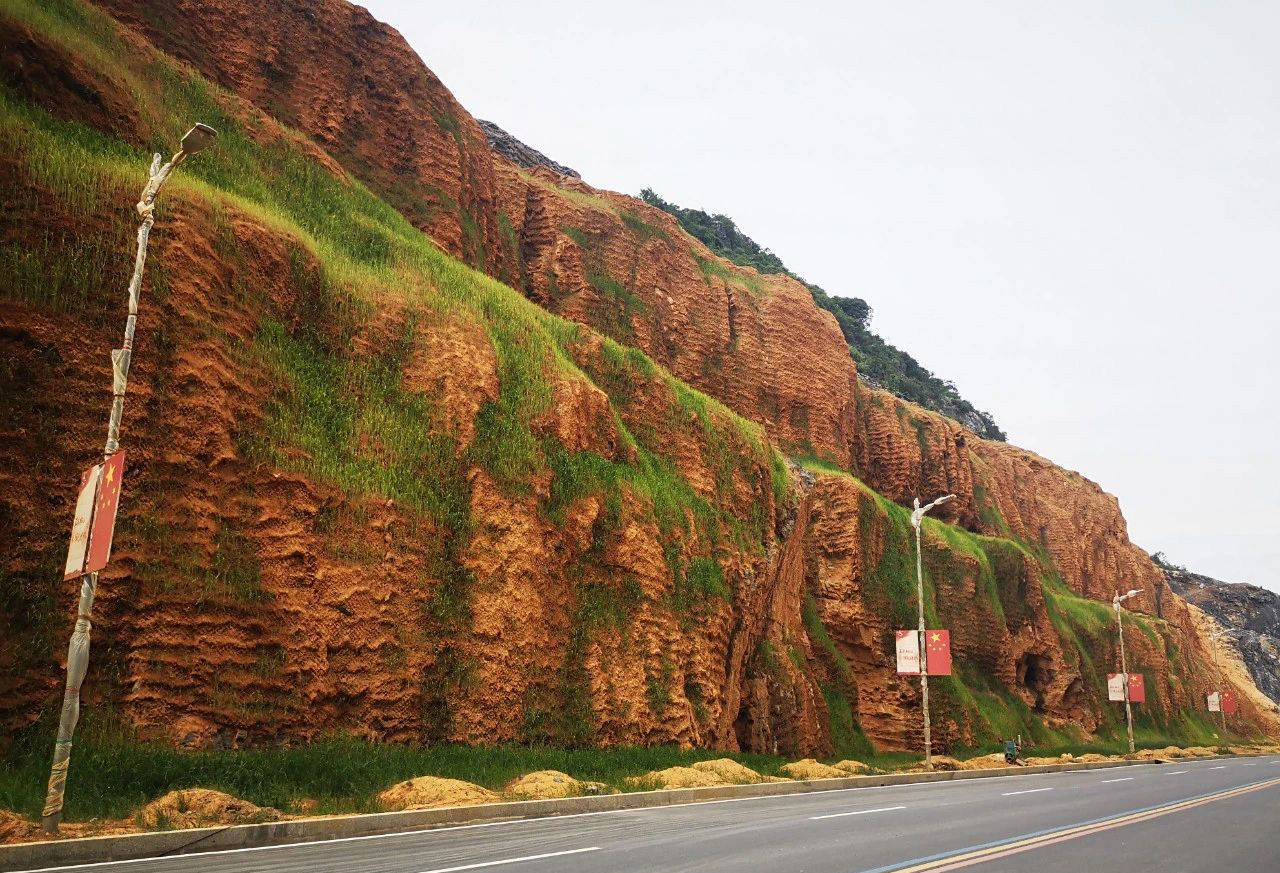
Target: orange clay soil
x: 343, y: 626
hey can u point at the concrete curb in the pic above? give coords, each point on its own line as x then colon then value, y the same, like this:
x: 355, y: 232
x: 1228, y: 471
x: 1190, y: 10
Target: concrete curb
x: 125, y: 847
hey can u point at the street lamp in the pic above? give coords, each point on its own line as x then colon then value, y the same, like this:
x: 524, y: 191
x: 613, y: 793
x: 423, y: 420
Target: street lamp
x: 917, y: 516
x: 1124, y: 670
x: 198, y: 138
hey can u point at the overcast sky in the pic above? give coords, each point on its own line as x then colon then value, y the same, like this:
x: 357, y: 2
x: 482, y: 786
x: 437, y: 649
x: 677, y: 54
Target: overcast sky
x: 1071, y: 210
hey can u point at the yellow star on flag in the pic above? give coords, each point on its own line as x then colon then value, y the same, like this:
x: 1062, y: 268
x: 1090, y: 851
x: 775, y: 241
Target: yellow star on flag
x: 111, y: 474
x: 937, y: 638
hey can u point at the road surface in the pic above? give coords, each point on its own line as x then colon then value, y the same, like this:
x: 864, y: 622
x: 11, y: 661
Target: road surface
x: 1192, y: 816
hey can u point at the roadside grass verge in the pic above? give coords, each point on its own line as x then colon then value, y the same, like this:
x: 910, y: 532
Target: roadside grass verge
x: 111, y: 777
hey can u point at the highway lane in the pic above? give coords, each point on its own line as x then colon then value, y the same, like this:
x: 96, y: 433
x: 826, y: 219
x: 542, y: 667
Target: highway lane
x: 848, y: 831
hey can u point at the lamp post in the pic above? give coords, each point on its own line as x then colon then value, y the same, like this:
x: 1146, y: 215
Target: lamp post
x: 1214, y: 634
x: 917, y: 516
x: 1124, y: 670
x: 196, y: 139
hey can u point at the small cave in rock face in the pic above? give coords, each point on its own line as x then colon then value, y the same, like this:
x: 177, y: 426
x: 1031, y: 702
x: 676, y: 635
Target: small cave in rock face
x: 1035, y: 673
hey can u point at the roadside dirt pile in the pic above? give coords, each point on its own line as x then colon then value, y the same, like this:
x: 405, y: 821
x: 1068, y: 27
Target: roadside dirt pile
x: 730, y: 771
x: 202, y: 807
x: 550, y: 784
x: 15, y: 828
x: 808, y: 768
x: 429, y: 792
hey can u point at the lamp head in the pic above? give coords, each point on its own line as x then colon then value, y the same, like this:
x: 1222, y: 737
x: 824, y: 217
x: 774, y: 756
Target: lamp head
x: 198, y: 138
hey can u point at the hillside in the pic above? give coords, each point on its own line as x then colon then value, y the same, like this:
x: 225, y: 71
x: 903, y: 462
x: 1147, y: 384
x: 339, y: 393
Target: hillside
x: 427, y: 446
x: 1248, y: 614
x: 880, y: 363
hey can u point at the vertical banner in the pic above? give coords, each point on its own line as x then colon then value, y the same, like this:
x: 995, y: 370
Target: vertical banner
x: 1229, y: 702
x: 1115, y: 687
x: 1215, y: 704
x: 908, y: 645
x: 104, y: 513
x: 78, y: 551
x: 1137, y: 688
x: 937, y: 652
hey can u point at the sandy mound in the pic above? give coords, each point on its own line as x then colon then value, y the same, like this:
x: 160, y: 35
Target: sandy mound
x: 729, y: 770
x: 808, y: 768
x: 543, y: 785
x: 679, y: 777
x: 1201, y: 752
x: 983, y: 762
x: 1094, y: 756
x: 429, y: 792
x: 1166, y: 754
x: 552, y: 784
x: 850, y: 767
x: 14, y: 827
x: 200, y: 807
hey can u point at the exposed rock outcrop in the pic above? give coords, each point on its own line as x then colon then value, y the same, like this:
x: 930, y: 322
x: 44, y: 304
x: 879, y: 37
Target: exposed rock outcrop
x: 518, y: 153
x: 1250, y: 615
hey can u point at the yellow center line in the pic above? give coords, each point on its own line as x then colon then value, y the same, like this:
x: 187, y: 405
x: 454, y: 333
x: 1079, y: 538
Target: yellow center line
x: 978, y: 856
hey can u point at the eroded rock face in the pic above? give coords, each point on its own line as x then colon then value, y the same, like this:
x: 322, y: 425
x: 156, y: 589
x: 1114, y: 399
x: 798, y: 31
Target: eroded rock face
x: 254, y: 600
x: 758, y: 343
x: 351, y: 83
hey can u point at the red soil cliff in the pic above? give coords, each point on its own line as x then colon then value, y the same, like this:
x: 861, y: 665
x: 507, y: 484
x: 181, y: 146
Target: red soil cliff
x: 253, y: 599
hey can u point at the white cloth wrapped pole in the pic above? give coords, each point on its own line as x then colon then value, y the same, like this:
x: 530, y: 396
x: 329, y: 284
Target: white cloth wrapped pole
x: 78, y: 649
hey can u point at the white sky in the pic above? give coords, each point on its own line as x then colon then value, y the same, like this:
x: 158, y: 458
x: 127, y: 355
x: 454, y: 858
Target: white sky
x: 1071, y: 210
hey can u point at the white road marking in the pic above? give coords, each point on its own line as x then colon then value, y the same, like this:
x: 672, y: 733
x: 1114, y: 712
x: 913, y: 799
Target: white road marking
x: 1125, y: 779
x: 857, y: 812
x: 513, y: 860
x: 1175, y: 772
x: 1219, y: 767
x: 1252, y: 763
x: 1028, y: 791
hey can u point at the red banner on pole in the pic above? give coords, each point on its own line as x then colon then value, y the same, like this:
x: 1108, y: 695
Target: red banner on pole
x: 1229, y: 702
x: 1137, y: 688
x: 937, y: 652
x: 104, y: 513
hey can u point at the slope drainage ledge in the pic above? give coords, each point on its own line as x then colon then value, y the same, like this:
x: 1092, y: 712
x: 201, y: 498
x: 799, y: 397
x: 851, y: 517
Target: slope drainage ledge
x: 126, y: 847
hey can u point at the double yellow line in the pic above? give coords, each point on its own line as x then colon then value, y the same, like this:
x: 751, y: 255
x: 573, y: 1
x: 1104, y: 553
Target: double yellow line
x: 990, y: 853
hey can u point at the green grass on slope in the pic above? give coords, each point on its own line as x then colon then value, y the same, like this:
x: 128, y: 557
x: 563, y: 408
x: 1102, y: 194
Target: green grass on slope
x: 344, y: 417
x: 111, y: 776
x: 989, y: 711
x: 341, y: 414
x: 363, y: 250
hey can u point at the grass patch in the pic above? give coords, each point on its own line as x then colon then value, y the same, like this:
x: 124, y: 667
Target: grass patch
x: 113, y: 775
x: 712, y: 267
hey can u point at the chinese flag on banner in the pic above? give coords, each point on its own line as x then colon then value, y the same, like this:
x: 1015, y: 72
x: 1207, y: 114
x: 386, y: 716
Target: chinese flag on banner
x: 937, y: 652
x: 104, y: 513
x: 1137, y: 688
x: 1229, y: 702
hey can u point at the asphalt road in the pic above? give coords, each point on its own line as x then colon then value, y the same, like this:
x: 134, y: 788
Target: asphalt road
x: 1186, y: 817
